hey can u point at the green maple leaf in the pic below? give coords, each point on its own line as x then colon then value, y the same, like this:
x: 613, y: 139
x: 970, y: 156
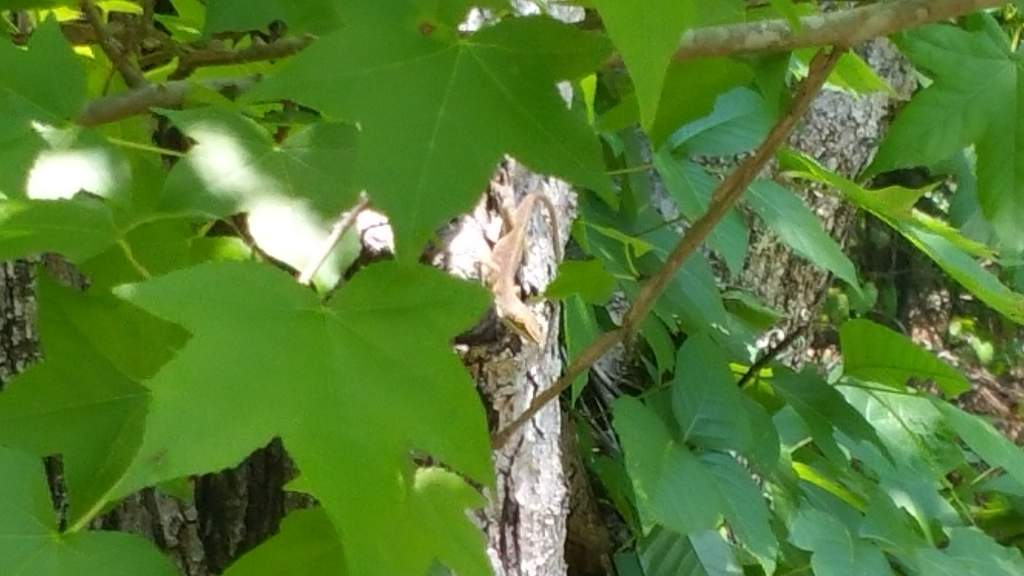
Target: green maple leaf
x: 30, y: 543
x: 78, y: 229
x: 85, y: 401
x: 352, y: 388
x: 236, y: 164
x: 44, y: 85
x: 234, y: 15
x: 47, y: 80
x: 976, y: 99
x: 306, y: 545
x: 647, y: 33
x: 437, y: 111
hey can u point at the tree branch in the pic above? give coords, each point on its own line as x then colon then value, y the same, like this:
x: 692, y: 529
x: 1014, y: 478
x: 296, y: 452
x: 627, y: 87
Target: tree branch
x: 131, y: 74
x: 141, y: 100
x: 842, y: 27
x: 845, y: 28
x: 279, y: 48
x: 725, y: 196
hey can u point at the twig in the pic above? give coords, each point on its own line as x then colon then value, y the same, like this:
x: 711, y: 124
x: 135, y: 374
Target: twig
x: 131, y: 74
x: 344, y: 223
x: 280, y: 48
x: 168, y: 95
x: 770, y: 355
x: 725, y: 196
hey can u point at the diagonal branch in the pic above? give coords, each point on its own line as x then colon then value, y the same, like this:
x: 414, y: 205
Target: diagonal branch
x: 131, y: 73
x: 725, y: 196
x: 141, y: 100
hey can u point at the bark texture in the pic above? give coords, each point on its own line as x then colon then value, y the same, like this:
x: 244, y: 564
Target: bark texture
x: 842, y: 131
x: 525, y: 520
x: 19, y: 343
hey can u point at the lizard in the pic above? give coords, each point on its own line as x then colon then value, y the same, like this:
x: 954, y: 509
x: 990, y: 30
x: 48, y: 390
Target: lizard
x: 499, y: 273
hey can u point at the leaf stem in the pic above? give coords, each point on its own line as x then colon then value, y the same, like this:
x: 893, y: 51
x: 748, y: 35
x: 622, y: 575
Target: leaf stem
x: 911, y: 392
x: 145, y: 147
x: 723, y: 199
x: 343, y: 224
x: 130, y: 257
x: 770, y: 355
x: 629, y: 170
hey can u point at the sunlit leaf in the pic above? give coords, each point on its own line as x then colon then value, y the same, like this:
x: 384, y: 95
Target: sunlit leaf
x: 302, y: 373
x: 426, y: 154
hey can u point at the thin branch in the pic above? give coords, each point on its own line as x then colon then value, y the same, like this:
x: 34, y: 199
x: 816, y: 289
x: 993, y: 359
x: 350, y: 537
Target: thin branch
x: 725, y: 196
x: 280, y: 48
x: 842, y: 27
x: 770, y: 355
x: 344, y: 223
x: 131, y: 74
x: 141, y: 100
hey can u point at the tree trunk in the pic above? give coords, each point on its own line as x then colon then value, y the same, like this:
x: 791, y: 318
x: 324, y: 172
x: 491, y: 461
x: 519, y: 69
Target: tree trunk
x: 842, y: 132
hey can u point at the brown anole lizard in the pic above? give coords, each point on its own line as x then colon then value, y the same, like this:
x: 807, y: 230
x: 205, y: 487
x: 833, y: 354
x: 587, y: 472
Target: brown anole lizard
x: 499, y: 274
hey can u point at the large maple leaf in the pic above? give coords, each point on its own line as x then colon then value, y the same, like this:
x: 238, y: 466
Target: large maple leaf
x: 438, y: 110
x: 353, y: 388
x: 976, y: 98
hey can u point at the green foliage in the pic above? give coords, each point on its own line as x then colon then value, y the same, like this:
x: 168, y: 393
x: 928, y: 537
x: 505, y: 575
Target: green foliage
x: 691, y: 186
x: 835, y: 552
x: 876, y: 354
x: 307, y: 545
x: 30, y: 542
x: 235, y: 165
x: 101, y: 350
x: 973, y: 100
x: 943, y: 244
x: 464, y: 102
x: 365, y: 481
x: 586, y: 278
x: 647, y: 33
x: 665, y: 553
x: 76, y: 229
x: 193, y: 345
x: 800, y: 229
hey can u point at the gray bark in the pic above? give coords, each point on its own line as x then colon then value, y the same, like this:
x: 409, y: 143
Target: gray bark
x: 525, y: 520
x: 19, y: 344
x: 842, y: 131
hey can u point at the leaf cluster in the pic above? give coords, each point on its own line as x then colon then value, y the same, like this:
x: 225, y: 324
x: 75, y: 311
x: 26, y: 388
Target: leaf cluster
x: 193, y: 206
